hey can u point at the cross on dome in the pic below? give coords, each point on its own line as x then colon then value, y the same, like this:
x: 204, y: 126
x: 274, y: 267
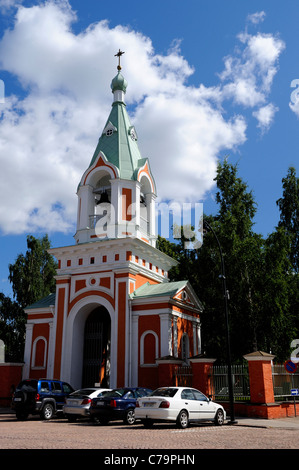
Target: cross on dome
x: 119, y: 54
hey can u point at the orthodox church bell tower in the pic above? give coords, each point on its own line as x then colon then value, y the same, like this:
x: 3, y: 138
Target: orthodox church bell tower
x: 116, y: 195
x: 114, y: 312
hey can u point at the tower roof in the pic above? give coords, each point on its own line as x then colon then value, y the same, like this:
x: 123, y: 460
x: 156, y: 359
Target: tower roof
x: 119, y: 83
x: 119, y: 141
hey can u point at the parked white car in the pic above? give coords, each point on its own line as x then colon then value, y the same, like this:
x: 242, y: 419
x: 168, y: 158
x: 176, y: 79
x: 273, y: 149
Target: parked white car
x: 179, y: 404
x: 78, y: 403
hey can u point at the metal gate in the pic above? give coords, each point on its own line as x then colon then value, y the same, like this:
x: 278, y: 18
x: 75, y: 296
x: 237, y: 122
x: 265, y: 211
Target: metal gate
x: 96, y: 348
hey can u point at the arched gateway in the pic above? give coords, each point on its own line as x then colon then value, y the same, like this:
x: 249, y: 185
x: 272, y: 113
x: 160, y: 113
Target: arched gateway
x: 114, y: 312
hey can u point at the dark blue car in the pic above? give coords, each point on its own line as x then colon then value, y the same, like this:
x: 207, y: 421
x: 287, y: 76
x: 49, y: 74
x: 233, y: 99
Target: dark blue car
x: 118, y: 404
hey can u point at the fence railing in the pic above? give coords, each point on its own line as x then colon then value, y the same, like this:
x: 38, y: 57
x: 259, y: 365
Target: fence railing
x: 183, y: 376
x: 240, y: 380
x: 283, y: 381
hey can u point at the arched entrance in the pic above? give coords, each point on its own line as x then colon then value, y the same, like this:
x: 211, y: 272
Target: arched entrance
x: 96, y: 350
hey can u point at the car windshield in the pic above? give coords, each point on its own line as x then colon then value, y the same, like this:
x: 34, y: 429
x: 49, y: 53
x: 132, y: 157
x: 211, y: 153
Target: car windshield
x: 164, y: 392
x: 84, y: 391
x: 28, y: 385
x: 117, y: 392
x: 103, y: 394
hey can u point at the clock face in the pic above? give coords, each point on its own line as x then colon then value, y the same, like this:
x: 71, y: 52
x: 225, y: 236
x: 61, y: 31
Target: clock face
x: 133, y: 133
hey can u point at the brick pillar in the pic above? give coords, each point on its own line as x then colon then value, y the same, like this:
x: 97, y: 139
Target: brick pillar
x: 260, y: 377
x: 202, y: 374
x: 166, y: 370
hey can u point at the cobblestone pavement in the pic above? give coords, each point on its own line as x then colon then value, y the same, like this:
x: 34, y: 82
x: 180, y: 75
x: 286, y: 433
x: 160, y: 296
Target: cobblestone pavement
x: 59, y: 434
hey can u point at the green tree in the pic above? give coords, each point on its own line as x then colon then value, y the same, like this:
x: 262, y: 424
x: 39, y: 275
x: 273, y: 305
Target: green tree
x: 241, y: 248
x: 261, y: 274
x: 32, y: 278
x: 12, y: 328
x: 279, y: 321
x: 32, y: 274
x: 289, y: 213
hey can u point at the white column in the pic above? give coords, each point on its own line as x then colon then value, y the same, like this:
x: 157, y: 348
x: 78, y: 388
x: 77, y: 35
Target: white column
x: 86, y: 207
x: 175, y: 336
x: 50, y: 363
x: 135, y: 342
x: 165, y: 335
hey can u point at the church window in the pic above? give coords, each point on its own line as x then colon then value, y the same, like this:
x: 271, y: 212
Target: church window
x: 185, y: 347
x: 149, y: 348
x: 109, y: 132
x: 39, y: 352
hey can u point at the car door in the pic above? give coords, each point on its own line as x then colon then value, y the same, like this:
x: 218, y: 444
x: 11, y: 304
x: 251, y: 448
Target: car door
x: 57, y: 394
x: 206, y: 408
x: 189, y: 402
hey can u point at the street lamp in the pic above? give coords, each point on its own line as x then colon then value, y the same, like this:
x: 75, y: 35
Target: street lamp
x: 207, y: 227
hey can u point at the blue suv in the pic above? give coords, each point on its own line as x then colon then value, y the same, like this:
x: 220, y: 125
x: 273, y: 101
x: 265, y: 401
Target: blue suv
x: 44, y: 397
x: 120, y: 403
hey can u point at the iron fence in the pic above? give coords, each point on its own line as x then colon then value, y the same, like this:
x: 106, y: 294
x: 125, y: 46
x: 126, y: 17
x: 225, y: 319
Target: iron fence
x: 283, y: 381
x: 183, y: 376
x: 240, y: 380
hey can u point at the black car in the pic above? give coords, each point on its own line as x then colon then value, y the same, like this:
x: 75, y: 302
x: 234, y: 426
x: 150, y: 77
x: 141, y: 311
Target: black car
x: 44, y: 397
x: 118, y: 404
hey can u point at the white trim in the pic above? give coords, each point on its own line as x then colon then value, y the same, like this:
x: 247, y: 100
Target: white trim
x: 95, y: 287
x: 72, y: 354
x: 165, y: 335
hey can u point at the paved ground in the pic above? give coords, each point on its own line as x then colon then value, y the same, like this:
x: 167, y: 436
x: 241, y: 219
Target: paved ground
x: 59, y: 434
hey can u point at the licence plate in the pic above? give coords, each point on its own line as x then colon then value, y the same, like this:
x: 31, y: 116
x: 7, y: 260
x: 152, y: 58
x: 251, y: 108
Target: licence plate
x: 100, y: 403
x: 17, y: 399
x: 148, y: 404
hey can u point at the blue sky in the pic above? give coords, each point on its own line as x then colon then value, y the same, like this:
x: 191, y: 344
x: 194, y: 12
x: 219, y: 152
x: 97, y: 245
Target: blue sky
x: 205, y: 80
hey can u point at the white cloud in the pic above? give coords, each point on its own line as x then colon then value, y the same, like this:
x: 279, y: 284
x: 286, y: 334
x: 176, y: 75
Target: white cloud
x: 7, y: 5
x: 257, y: 17
x: 48, y: 136
x: 265, y: 116
x: 248, y: 75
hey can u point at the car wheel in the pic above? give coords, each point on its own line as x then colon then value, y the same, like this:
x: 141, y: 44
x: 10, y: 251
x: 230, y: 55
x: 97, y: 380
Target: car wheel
x: 130, y: 417
x: 219, y: 418
x: 47, y: 411
x: 183, y: 419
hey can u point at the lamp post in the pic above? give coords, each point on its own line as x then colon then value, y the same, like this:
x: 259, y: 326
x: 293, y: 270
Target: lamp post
x: 207, y: 227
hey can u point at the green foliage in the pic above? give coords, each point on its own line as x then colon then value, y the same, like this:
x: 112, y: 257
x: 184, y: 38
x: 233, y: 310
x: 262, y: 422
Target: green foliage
x: 32, y: 274
x: 260, y: 273
x: 289, y: 214
x: 12, y: 328
x: 32, y: 278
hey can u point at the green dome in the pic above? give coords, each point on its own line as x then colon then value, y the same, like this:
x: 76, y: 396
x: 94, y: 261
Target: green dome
x: 119, y: 83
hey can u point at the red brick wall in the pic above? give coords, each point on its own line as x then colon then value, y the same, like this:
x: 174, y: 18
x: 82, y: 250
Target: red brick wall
x: 10, y: 376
